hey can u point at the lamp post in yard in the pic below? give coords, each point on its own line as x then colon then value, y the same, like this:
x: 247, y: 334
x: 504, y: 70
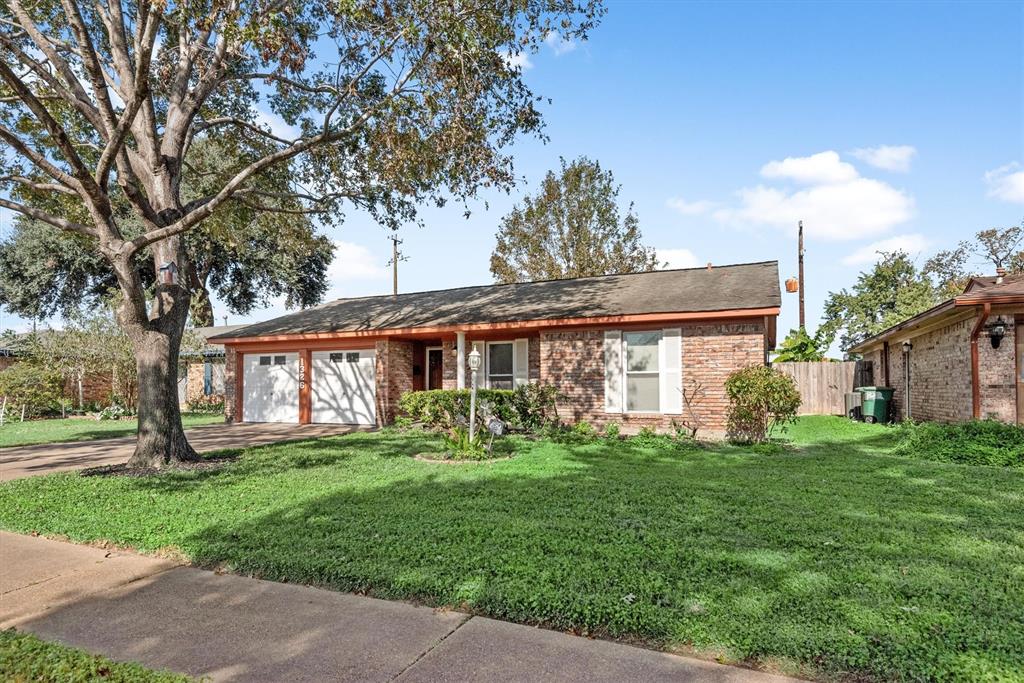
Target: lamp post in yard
x: 474, y: 366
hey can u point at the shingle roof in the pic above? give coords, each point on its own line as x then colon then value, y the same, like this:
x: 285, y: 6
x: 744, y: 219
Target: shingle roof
x: 722, y: 288
x: 1011, y: 286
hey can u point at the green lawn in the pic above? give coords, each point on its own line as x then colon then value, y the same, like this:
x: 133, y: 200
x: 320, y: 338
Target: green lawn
x: 80, y: 429
x: 832, y: 560
x: 23, y: 657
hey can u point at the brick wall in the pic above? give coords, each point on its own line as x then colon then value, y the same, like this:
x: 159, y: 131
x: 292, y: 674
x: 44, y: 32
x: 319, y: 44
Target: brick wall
x: 998, y: 374
x: 449, y: 373
x: 394, y: 361
x: 230, y: 368
x: 573, y: 360
x: 940, y: 374
x: 195, y: 379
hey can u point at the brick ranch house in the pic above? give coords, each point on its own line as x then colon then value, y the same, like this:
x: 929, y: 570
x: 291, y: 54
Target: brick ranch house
x: 946, y: 360
x: 620, y: 348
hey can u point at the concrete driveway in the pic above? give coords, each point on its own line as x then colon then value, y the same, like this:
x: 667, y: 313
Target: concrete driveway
x: 26, y: 461
x: 233, y: 628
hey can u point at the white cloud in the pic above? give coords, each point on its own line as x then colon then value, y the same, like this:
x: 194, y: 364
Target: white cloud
x: 889, y: 157
x: 678, y: 258
x: 912, y: 244
x: 354, y: 262
x: 1006, y: 183
x: 518, y: 60
x: 823, y: 167
x: 690, y: 208
x: 838, y: 205
x: 558, y: 44
x: 276, y: 125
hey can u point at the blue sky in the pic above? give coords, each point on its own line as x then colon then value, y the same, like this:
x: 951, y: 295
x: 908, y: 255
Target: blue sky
x: 892, y: 124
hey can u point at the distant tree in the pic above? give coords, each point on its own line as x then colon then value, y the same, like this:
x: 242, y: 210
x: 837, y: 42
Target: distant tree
x: 892, y: 291
x: 1002, y: 247
x: 571, y: 228
x: 799, y: 346
x: 948, y: 270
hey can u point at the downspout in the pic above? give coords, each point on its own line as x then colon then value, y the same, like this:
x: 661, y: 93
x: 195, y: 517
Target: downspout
x: 979, y: 325
x: 885, y: 364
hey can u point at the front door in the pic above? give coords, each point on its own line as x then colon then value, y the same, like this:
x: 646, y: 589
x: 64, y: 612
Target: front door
x: 435, y: 365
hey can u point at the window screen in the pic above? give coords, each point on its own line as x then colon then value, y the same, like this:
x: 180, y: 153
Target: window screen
x: 264, y: 360
x: 337, y: 357
x: 499, y: 366
x: 643, y: 380
x: 280, y: 360
x: 352, y: 357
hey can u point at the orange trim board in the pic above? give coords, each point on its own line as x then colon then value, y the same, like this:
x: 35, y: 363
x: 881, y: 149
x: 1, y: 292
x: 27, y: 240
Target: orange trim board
x: 519, y: 325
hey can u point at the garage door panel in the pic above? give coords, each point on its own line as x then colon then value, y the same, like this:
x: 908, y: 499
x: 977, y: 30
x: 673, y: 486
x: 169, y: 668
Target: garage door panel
x: 271, y: 388
x: 344, y: 387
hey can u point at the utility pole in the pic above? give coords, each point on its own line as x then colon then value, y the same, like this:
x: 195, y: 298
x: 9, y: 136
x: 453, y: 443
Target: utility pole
x: 396, y: 256
x: 800, y: 275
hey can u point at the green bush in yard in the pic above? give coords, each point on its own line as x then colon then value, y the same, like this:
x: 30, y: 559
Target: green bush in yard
x: 530, y: 407
x: 442, y: 408
x: 978, y: 442
x: 760, y: 400
x: 37, y: 389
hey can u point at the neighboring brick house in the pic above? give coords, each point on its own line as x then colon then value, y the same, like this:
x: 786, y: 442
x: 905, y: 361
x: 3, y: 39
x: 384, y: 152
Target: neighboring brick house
x: 202, y: 373
x: 94, y: 389
x: 638, y: 349
x: 961, y: 359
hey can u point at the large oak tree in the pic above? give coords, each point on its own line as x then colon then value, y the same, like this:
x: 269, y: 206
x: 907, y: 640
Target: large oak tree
x: 395, y: 102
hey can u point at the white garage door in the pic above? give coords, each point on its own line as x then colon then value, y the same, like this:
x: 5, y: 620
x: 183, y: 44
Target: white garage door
x: 271, y: 388
x: 344, y: 387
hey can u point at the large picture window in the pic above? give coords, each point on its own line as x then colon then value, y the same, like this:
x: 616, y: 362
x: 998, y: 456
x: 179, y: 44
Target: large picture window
x: 643, y: 377
x: 500, y: 373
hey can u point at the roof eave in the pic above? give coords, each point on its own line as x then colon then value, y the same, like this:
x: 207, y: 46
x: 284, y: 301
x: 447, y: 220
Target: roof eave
x: 731, y: 313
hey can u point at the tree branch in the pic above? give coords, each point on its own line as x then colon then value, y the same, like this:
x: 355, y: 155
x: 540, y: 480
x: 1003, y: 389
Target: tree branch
x: 40, y: 187
x: 55, y: 221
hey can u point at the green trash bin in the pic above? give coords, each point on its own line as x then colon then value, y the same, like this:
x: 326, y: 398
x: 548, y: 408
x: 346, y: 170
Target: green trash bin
x: 875, y: 403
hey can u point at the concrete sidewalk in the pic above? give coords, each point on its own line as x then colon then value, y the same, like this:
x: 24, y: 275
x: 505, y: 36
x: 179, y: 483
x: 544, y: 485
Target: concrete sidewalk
x: 44, y: 458
x: 231, y: 628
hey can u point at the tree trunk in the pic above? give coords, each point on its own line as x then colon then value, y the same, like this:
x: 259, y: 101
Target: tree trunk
x: 156, y: 341
x: 161, y: 440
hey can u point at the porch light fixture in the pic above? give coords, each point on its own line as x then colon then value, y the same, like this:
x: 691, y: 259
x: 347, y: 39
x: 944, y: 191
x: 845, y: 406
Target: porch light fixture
x: 474, y: 366
x: 907, y: 346
x: 996, y: 332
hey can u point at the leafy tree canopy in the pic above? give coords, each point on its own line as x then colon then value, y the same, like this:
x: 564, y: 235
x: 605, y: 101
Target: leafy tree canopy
x: 892, y: 291
x: 102, y: 102
x: 799, y: 346
x: 571, y: 228
x: 243, y: 255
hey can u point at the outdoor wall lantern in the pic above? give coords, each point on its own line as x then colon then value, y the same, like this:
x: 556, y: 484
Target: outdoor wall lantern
x: 474, y: 366
x: 169, y: 273
x: 996, y: 332
x: 907, y: 346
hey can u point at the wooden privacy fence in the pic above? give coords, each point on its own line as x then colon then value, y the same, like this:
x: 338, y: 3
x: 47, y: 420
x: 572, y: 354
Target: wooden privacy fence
x: 822, y: 385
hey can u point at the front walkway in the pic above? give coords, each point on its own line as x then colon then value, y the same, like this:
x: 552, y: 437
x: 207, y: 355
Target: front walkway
x: 44, y: 458
x: 231, y: 628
